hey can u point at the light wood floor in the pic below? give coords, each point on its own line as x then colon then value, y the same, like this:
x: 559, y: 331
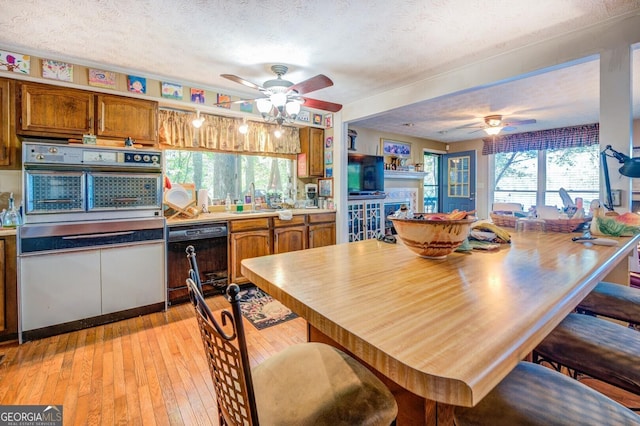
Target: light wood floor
x: 148, y: 370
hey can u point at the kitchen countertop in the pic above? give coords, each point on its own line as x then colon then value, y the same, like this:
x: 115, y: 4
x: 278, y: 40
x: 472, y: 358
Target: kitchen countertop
x: 7, y: 231
x: 226, y: 216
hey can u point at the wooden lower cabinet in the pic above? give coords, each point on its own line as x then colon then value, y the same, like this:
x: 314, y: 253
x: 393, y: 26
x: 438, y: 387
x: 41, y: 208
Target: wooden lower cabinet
x: 289, y: 235
x: 263, y: 236
x: 323, y: 234
x: 322, y: 229
x: 8, y: 289
x: 247, y: 238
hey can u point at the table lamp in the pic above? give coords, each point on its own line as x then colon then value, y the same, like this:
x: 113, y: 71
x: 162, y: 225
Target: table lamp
x: 630, y: 168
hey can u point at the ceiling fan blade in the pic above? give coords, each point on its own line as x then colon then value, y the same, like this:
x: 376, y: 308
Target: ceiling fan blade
x: 519, y: 122
x: 318, y: 82
x: 237, y: 101
x: 467, y: 126
x: 240, y: 80
x: 323, y: 105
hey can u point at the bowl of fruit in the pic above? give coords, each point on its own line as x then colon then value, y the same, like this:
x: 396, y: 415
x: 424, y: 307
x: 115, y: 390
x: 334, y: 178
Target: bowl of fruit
x: 433, y: 235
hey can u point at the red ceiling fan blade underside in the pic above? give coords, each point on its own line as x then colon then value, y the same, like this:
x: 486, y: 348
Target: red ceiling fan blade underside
x: 323, y: 105
x: 312, y: 84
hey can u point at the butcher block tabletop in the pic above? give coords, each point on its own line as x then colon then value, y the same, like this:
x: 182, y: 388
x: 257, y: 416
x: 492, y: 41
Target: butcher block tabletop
x: 447, y: 330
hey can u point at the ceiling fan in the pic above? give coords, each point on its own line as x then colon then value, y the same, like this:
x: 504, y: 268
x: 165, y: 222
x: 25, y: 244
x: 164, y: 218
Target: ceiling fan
x: 495, y: 124
x: 282, y: 99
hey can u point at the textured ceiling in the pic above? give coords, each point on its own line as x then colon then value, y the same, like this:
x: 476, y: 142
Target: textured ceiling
x: 365, y: 47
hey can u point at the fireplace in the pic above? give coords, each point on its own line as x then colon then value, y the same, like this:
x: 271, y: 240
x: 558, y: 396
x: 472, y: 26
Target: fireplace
x: 395, y: 199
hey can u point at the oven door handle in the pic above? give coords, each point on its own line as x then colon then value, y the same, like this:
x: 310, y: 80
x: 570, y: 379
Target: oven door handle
x: 56, y: 200
x: 107, y: 235
x: 126, y: 199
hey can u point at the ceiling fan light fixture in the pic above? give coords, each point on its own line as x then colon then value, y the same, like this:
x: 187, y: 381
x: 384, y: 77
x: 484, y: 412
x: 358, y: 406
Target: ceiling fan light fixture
x: 293, y: 108
x: 278, y: 99
x: 493, y: 120
x: 264, y: 105
x: 492, y: 131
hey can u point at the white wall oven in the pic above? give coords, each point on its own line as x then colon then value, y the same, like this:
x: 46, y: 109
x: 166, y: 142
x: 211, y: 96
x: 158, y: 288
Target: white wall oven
x: 83, y: 182
x: 92, y: 248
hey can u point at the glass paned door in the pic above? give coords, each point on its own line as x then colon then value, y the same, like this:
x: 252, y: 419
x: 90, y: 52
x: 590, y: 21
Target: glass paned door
x: 458, y: 172
x: 459, y: 176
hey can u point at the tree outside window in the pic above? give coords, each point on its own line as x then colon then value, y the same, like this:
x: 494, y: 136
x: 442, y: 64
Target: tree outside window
x: 535, y: 177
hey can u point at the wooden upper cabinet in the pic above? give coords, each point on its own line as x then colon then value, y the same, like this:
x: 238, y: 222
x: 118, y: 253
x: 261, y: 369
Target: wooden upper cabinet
x: 8, y: 143
x: 311, y: 157
x: 54, y: 111
x: 122, y: 117
x: 60, y: 112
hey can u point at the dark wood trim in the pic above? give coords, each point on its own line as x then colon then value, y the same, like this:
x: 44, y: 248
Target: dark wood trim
x: 66, y: 327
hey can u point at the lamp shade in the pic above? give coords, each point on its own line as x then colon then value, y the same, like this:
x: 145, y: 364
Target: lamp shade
x: 278, y: 99
x: 630, y: 167
x: 492, y: 131
x: 264, y: 105
x: 293, y: 108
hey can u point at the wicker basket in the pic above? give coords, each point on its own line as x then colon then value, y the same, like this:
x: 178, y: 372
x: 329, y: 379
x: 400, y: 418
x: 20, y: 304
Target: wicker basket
x: 503, y: 220
x: 564, y: 225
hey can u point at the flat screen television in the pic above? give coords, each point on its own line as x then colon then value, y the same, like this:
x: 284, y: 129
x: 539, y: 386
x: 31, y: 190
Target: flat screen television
x: 365, y: 174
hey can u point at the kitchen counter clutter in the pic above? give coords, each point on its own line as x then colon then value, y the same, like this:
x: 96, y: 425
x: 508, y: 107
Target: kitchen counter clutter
x: 245, y: 214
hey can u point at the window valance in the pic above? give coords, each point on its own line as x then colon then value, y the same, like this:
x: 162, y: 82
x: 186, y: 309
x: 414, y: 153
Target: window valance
x: 565, y: 137
x: 219, y: 133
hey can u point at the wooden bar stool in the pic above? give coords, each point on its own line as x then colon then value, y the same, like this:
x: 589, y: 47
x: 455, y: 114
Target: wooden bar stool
x: 535, y: 395
x: 305, y: 384
x: 596, y: 347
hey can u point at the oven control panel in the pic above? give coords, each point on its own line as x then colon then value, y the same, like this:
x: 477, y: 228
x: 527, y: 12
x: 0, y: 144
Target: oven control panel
x: 82, y: 155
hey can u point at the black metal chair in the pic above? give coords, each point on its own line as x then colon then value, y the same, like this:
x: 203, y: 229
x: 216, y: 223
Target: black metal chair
x: 305, y: 384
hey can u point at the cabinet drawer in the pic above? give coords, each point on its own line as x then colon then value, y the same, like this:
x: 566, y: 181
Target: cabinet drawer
x: 295, y: 220
x: 249, y: 224
x: 322, y: 217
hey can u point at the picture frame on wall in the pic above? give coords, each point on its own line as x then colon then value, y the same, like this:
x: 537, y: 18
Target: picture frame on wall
x: 395, y: 148
x: 325, y: 187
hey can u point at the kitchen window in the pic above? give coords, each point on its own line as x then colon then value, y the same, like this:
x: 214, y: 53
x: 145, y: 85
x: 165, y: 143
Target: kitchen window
x: 222, y: 174
x: 535, y: 177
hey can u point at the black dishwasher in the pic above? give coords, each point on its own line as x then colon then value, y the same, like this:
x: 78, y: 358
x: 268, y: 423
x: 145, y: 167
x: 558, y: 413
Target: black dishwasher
x: 210, y: 243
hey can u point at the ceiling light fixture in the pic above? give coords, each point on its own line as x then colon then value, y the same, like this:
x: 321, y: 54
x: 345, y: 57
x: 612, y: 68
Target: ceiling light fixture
x: 492, y: 131
x: 278, y: 107
x: 495, y: 124
x: 198, y: 121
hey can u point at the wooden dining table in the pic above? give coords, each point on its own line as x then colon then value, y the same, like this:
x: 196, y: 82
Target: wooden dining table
x: 439, y: 332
